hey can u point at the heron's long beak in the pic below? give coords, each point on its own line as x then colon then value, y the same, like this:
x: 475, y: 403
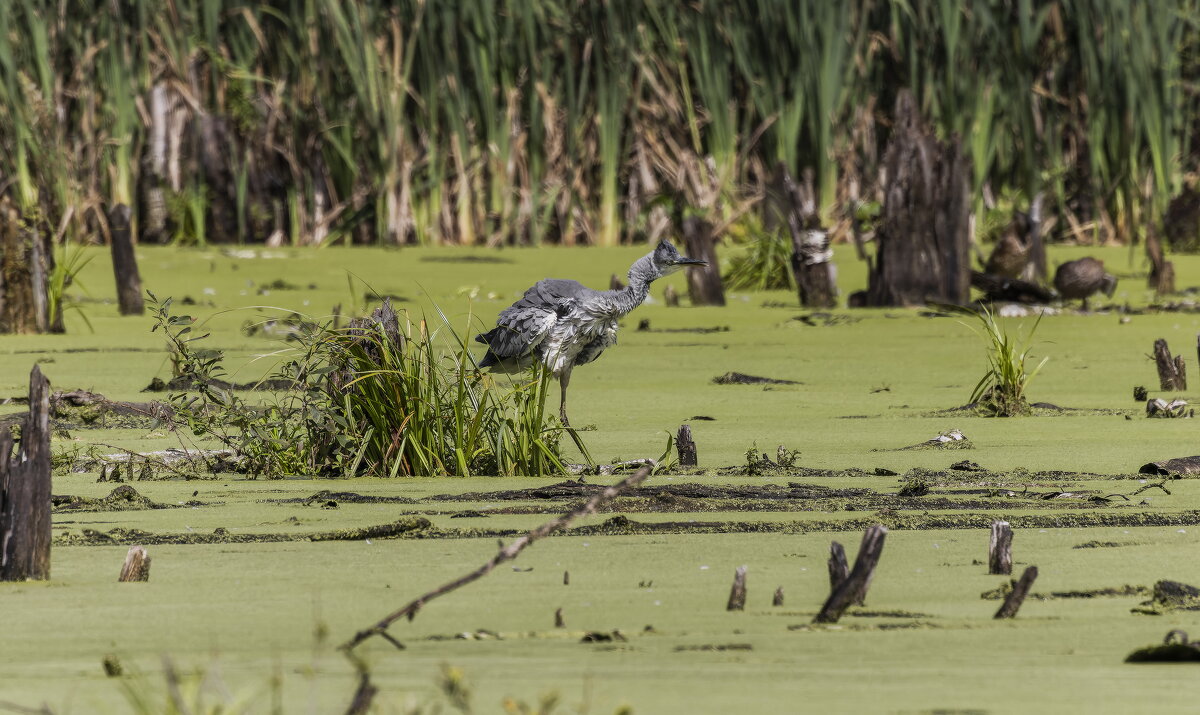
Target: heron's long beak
x: 690, y: 262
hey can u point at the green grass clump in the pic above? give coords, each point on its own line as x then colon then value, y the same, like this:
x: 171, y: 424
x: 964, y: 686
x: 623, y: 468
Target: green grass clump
x: 1001, y: 390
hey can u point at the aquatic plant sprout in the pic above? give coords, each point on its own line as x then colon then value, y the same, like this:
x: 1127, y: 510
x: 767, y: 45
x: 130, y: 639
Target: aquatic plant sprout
x: 1001, y: 390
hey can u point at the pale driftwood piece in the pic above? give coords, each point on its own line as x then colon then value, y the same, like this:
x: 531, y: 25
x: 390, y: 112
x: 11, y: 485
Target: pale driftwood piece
x: 1000, y: 548
x: 854, y: 587
x: 737, y: 594
x: 125, y: 269
x: 686, y: 446
x: 778, y: 600
x: 558, y: 619
x: 923, y: 239
x: 839, y: 568
x: 136, y: 566
x: 1016, y: 597
x: 704, y: 282
x: 506, y: 553
x: 25, y: 491
x: 1171, y: 372
x: 671, y: 297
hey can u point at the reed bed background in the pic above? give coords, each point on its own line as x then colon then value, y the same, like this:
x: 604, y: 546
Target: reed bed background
x: 482, y: 122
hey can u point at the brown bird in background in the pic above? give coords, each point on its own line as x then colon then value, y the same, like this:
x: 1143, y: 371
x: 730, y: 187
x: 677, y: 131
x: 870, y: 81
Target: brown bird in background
x: 1083, y: 277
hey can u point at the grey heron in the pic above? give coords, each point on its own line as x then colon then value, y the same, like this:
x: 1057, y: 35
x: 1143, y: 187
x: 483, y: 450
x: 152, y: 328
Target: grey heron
x: 1083, y: 277
x: 562, y: 323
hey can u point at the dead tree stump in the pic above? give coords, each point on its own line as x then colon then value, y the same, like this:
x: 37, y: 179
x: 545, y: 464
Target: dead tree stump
x: 839, y: 568
x: 129, y: 281
x: 924, y: 233
x: 778, y: 600
x: 136, y: 566
x: 1162, y: 271
x: 1016, y: 597
x: 558, y: 619
x: 25, y: 263
x: 1171, y: 372
x: 686, y: 446
x: 737, y: 594
x: 671, y: 297
x: 812, y: 261
x: 1000, y: 548
x: 854, y: 587
x: 25, y: 491
x: 704, y: 282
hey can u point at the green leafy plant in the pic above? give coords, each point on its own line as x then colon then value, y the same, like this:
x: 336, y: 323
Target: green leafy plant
x: 766, y: 263
x: 1001, y: 390
x: 383, y: 397
x: 68, y: 264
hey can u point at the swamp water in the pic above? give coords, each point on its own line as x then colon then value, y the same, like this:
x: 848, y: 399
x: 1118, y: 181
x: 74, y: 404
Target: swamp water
x: 241, y: 594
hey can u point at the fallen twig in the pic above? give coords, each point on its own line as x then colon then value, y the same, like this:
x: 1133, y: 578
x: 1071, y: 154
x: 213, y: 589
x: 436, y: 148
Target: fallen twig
x: 506, y: 553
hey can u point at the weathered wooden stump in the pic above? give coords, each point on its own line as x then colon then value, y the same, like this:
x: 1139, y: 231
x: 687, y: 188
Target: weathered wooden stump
x: 558, y: 619
x: 795, y: 205
x: 704, y: 282
x: 1016, y: 597
x: 924, y: 232
x: 1162, y: 271
x: 566, y: 578
x: 25, y: 491
x: 1000, y: 548
x: 129, y: 281
x: 686, y: 446
x: 25, y: 262
x: 737, y: 594
x: 778, y: 600
x: 854, y: 587
x: 1172, y: 374
x: 671, y: 297
x: 839, y: 568
x: 136, y: 566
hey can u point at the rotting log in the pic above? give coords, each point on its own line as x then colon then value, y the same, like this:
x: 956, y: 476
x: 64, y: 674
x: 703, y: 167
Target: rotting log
x: 25, y: 491
x: 704, y: 282
x: 1012, y: 603
x: 686, y: 446
x: 839, y: 568
x: 1172, y: 374
x: 125, y: 269
x: 923, y: 239
x: 853, y: 589
x: 136, y: 566
x: 737, y: 594
x: 1000, y: 548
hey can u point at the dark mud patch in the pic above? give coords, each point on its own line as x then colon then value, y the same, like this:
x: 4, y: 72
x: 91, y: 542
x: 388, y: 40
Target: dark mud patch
x: 740, y: 378
x: 185, y: 384
x: 901, y: 626
x: 1001, y: 592
x: 644, y: 327
x: 826, y: 320
x: 1103, y: 544
x: 713, y: 647
x: 1036, y: 409
x: 1179, y: 466
x: 413, y: 527
x: 888, y: 614
x: 464, y: 259
x: 123, y: 498
x: 571, y: 489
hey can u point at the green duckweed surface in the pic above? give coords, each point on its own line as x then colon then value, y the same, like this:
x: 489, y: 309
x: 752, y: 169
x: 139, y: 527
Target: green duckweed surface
x: 255, y: 583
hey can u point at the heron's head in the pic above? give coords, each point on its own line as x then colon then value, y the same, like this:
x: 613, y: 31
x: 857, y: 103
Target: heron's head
x: 667, y: 260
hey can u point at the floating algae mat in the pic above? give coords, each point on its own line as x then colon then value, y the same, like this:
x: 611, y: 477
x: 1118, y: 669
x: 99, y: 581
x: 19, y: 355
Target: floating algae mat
x: 256, y: 582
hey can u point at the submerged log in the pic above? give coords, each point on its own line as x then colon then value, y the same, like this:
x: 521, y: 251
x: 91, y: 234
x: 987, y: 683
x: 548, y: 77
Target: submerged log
x: 737, y: 594
x: 853, y: 589
x: 129, y: 281
x: 686, y: 446
x: 923, y: 237
x: 25, y: 491
x: 1171, y: 371
x: 1012, y: 603
x: 136, y: 566
x: 1000, y: 548
x: 704, y: 282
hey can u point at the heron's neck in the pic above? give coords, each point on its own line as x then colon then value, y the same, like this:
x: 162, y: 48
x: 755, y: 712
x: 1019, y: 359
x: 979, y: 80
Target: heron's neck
x: 641, y: 275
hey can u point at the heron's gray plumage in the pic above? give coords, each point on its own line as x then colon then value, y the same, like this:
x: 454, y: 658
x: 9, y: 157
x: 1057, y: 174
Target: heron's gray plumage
x: 562, y: 323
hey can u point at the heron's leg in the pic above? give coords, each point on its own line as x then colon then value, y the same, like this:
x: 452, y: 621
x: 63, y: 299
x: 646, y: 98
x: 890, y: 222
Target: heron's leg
x: 563, y: 380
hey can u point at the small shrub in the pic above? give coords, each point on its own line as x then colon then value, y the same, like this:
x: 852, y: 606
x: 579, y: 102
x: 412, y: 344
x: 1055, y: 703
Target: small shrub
x: 766, y: 263
x: 1001, y: 390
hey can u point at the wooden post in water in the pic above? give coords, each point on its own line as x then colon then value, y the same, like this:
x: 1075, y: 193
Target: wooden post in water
x: 136, y: 566
x: 839, y: 568
x: 737, y: 595
x: 1172, y: 374
x: 704, y: 282
x: 129, y: 281
x: 23, y: 271
x: 25, y: 491
x: 671, y: 298
x: 686, y: 446
x: 558, y: 619
x: 778, y: 600
x: 1000, y: 548
x: 854, y: 587
x: 1016, y: 597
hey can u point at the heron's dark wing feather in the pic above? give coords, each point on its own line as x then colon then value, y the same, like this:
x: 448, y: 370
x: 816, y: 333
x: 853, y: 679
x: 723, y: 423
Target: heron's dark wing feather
x: 521, y: 327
